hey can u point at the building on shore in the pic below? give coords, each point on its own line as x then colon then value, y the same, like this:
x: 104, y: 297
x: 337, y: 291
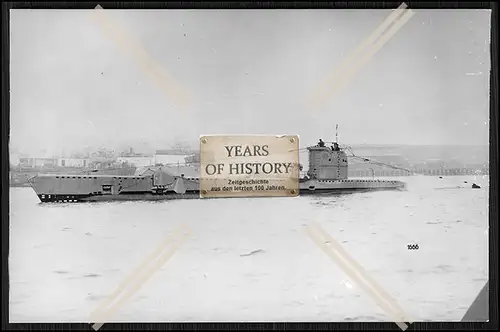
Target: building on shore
x: 73, y: 162
x: 135, y: 160
x: 37, y: 162
x: 193, y: 158
x: 170, y: 157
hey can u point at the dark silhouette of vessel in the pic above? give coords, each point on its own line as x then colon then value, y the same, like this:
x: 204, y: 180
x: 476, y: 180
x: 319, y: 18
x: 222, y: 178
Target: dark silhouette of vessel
x: 327, y: 174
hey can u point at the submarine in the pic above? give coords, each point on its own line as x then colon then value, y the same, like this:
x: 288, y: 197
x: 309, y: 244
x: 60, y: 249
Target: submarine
x: 327, y: 174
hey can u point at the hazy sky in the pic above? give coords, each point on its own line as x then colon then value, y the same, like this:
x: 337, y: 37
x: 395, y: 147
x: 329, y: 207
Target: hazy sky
x: 248, y: 72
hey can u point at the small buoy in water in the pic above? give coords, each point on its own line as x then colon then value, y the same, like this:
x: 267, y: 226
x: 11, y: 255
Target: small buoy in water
x: 440, y: 177
x: 475, y: 186
x: 465, y: 181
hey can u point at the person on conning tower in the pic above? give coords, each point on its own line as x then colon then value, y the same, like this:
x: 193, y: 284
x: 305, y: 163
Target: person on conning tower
x: 321, y: 143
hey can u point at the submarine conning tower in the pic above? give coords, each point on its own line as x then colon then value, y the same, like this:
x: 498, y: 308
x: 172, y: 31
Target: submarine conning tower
x: 327, y: 163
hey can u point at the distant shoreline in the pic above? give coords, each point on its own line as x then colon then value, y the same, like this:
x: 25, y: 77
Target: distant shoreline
x: 26, y: 184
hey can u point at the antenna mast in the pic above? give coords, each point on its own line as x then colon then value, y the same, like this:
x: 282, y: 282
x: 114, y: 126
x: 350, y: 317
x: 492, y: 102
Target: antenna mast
x: 336, y: 133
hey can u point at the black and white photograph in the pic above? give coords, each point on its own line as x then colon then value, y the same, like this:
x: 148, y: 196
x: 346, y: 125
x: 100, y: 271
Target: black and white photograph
x: 383, y: 215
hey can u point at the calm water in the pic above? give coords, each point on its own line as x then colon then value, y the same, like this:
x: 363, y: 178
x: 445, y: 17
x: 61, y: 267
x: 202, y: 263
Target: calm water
x: 65, y: 258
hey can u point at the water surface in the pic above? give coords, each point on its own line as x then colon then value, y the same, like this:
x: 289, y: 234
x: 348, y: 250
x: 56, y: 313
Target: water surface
x: 65, y: 258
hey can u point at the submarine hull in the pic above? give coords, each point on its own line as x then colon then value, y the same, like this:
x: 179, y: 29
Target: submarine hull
x: 327, y: 176
x: 46, y: 191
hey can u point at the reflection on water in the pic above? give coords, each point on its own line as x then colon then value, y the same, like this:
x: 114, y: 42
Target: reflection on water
x: 248, y: 259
